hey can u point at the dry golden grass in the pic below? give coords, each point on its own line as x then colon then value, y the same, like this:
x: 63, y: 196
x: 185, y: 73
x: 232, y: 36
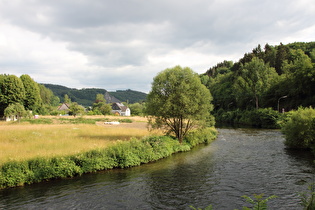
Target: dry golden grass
x: 25, y: 141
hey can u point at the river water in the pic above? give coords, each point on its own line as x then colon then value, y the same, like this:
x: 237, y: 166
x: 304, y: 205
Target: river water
x: 240, y: 162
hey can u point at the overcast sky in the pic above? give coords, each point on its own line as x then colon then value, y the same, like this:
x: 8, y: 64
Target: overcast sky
x: 123, y: 44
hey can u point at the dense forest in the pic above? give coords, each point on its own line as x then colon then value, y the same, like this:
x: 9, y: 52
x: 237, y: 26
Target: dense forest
x: 86, y: 96
x: 280, y: 77
x: 130, y: 96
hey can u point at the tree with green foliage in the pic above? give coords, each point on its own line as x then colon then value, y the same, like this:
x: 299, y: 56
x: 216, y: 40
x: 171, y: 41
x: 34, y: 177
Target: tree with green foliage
x: 179, y: 102
x: 300, y: 73
x: 137, y: 108
x: 299, y: 129
x: 256, y: 77
x: 49, y: 100
x: 75, y: 109
x: 15, y: 109
x: 11, y: 91
x: 32, y: 93
x: 66, y: 99
x: 281, y: 56
x: 222, y: 91
x: 100, y: 105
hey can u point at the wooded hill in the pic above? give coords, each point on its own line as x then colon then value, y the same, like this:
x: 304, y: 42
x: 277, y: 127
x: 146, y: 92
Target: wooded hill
x: 276, y: 76
x: 86, y: 96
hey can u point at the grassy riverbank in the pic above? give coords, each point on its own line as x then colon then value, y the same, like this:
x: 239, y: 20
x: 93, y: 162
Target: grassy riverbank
x: 33, y: 153
x: 22, y: 141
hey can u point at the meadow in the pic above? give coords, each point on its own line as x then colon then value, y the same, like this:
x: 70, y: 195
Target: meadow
x: 52, y: 148
x: 61, y: 136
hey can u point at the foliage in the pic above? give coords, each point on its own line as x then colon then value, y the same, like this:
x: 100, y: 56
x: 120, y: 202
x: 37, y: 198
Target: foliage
x: 32, y: 93
x: 47, y: 96
x: 199, y: 136
x: 123, y: 154
x: 308, y: 198
x: 137, y: 109
x: 207, y: 208
x: 299, y: 129
x: 15, y: 109
x: 258, y: 202
x: 66, y: 99
x: 178, y: 101
x: 86, y: 96
x: 263, y: 76
x: 11, y: 91
x: 255, y: 77
x: 75, y: 109
x: 129, y: 96
x: 259, y: 118
x: 100, y: 106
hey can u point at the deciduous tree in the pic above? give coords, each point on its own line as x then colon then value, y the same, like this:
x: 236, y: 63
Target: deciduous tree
x: 100, y: 105
x: 255, y: 78
x: 11, y: 91
x: 32, y: 99
x: 178, y: 101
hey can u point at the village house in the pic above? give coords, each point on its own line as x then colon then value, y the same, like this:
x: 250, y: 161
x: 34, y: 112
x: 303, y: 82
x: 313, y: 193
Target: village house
x: 120, y: 109
x: 64, y: 107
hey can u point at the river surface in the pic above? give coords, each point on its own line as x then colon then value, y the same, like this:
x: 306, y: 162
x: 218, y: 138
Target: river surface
x: 240, y: 162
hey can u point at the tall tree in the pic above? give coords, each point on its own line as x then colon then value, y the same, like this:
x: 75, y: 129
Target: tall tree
x: 100, y: 105
x: 178, y: 101
x: 281, y: 57
x: 300, y: 72
x: 256, y: 77
x: 32, y: 93
x: 12, y: 91
x: 47, y: 96
x: 66, y: 99
x: 75, y: 109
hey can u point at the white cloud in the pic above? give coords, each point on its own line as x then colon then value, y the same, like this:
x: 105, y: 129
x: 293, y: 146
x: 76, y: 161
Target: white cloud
x: 119, y: 45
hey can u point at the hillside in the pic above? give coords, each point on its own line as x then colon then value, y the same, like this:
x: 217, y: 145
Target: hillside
x: 276, y: 77
x: 130, y: 96
x: 86, y: 96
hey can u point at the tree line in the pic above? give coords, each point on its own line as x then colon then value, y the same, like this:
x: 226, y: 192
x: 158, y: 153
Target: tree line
x: 279, y: 77
x: 18, y: 94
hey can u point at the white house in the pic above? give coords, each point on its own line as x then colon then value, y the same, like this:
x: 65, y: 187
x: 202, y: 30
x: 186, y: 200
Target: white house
x: 120, y: 109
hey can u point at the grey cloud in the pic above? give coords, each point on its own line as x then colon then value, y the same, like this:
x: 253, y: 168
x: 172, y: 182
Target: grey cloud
x: 117, y: 34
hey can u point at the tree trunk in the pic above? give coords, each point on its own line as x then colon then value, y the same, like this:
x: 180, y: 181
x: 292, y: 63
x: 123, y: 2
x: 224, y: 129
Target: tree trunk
x: 256, y: 100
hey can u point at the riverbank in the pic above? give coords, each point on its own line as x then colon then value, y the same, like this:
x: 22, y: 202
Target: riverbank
x: 121, y: 154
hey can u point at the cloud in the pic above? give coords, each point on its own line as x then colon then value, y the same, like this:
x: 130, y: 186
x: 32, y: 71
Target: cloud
x: 124, y: 44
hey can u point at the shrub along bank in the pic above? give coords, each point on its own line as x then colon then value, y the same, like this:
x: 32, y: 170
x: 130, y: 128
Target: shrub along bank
x: 123, y: 154
x: 299, y: 129
x: 258, y: 118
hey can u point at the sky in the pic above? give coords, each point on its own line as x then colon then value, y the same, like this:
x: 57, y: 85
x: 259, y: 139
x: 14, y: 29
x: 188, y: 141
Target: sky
x: 124, y: 44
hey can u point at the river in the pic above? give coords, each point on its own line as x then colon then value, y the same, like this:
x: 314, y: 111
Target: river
x: 240, y: 162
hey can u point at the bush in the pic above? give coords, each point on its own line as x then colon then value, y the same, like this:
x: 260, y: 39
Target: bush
x: 299, y: 129
x: 259, y: 118
x: 200, y: 136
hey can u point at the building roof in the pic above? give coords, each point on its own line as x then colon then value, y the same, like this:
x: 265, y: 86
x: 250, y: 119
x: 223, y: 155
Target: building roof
x: 119, y: 106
